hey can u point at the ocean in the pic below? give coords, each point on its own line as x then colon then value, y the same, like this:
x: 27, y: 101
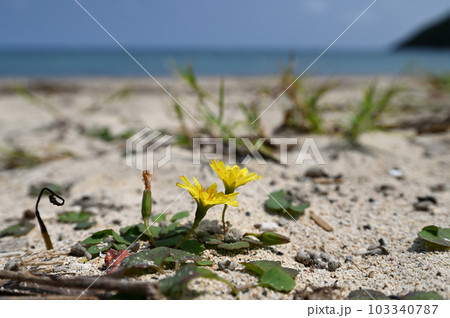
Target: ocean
x: 65, y: 63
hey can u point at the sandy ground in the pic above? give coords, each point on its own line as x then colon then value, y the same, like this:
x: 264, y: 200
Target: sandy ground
x: 358, y: 213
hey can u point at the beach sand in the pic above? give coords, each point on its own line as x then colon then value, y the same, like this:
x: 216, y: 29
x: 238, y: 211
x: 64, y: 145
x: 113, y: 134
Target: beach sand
x: 359, y: 214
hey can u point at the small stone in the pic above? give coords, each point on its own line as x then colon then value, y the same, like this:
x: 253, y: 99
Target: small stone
x: 367, y: 227
x: 325, y: 256
x: 320, y: 190
x: 227, y: 264
x: 109, y: 239
x: 268, y: 226
x: 348, y: 259
x: 313, y: 255
x: 422, y: 206
x: 117, y: 222
x: 396, y: 173
x: 385, y: 188
x: 88, y: 256
x: 371, y: 274
x: 303, y: 257
x: 283, y: 222
x: 333, y: 265
x: 322, y: 265
x: 439, y: 187
x: 75, y: 208
x: 233, y: 235
x: 92, y: 210
x: 247, y: 213
x: 28, y: 215
x: 315, y: 172
x: 134, y: 247
x: 78, y: 250
x: 12, y: 265
x: 428, y: 198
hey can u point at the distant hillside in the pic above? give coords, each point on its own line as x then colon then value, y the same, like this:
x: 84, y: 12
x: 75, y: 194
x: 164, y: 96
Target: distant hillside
x: 435, y: 36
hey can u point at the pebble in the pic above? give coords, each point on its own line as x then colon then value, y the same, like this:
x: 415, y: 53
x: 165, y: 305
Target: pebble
x: 315, y: 172
x: 12, y: 265
x: 322, y: 260
x: 92, y: 210
x: 268, y: 226
x: 396, y: 173
x: 385, y: 188
x: 422, y: 206
x: 233, y: 235
x: 303, y: 257
x: 78, y: 250
x: 439, y: 187
x: 75, y: 208
x: 348, y: 259
x: 325, y: 256
x: 322, y: 264
x: 428, y: 198
x: 333, y: 265
x: 227, y: 264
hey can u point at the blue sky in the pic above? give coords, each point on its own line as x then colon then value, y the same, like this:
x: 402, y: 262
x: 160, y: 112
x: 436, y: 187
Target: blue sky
x: 213, y: 24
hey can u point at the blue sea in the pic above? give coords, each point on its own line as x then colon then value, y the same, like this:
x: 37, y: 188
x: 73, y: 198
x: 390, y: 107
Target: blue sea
x: 220, y: 62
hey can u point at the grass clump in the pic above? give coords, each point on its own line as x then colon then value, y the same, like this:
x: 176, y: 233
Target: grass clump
x: 368, y: 113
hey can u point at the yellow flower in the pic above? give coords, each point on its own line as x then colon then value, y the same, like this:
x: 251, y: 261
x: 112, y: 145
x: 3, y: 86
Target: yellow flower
x: 233, y: 177
x: 209, y: 197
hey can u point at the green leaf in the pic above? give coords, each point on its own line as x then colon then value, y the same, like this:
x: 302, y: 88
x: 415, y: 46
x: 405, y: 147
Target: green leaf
x: 270, y: 238
x: 193, y: 246
x: 74, y: 217
x: 436, y: 236
x: 168, y: 230
x: 94, y: 250
x: 204, y: 263
x: 173, y: 287
x: 209, y: 239
x: 159, y: 217
x: 179, y: 216
x: 180, y: 256
x: 18, y: 229
x: 260, y: 267
x: 84, y: 225
x: 234, y: 246
x: 367, y: 294
x: 421, y: 295
x: 170, y: 241
x: 252, y: 241
x: 153, y: 258
x: 280, y: 202
x: 277, y: 279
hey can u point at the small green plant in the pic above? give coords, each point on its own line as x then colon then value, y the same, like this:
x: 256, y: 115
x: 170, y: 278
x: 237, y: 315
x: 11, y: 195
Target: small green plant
x: 439, y: 83
x: 367, y: 115
x: 210, y: 112
x: 173, y: 245
x: 37, y: 101
x: 304, y: 112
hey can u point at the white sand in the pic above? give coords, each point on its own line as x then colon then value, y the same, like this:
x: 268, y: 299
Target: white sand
x: 99, y: 170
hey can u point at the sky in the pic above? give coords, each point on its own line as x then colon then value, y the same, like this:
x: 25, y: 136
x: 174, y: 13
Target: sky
x: 228, y: 24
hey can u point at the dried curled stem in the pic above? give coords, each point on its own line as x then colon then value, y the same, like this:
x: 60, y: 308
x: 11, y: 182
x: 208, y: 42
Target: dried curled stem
x: 147, y: 179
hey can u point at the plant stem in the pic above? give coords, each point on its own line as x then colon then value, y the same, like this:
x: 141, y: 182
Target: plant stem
x: 194, y: 226
x: 149, y: 234
x: 224, y: 227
